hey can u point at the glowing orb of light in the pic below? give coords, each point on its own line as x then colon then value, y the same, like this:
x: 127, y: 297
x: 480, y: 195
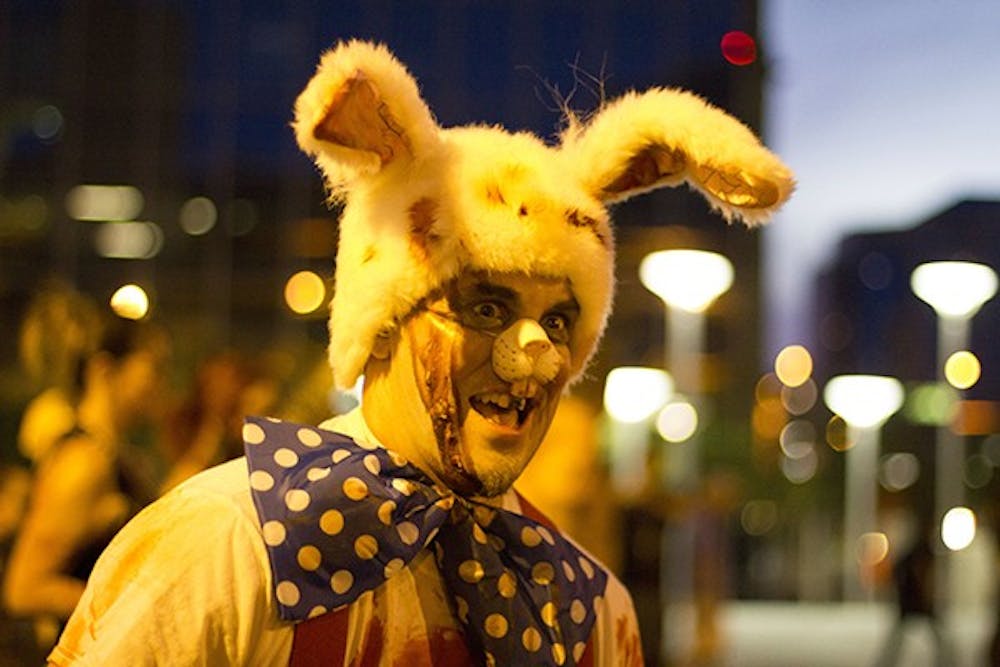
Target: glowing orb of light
x: 304, y: 292
x: 130, y: 302
x: 962, y: 369
x: 958, y: 528
x: 738, y: 47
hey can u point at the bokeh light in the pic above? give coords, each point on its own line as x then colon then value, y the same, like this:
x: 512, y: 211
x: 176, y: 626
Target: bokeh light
x: 768, y: 386
x: 738, y: 48
x: 958, y: 528
x: 198, y: 216
x: 793, y: 365
x: 802, y: 469
x: 101, y: 203
x: 899, y: 471
x: 633, y: 393
x: 305, y: 292
x: 797, y: 439
x: 800, y: 400
x: 931, y: 404
x: 759, y: 517
x: 677, y: 421
x: 962, y: 369
x: 130, y: 302
x: 47, y: 123
x: 128, y: 240
x: 872, y: 548
x: 838, y: 435
x: 978, y: 471
x: 768, y: 418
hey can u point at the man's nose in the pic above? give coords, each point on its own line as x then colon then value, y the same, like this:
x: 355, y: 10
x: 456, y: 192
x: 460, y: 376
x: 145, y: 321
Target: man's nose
x: 524, y: 352
x: 531, y: 337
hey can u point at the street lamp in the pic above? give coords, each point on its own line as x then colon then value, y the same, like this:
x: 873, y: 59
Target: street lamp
x: 688, y: 282
x: 865, y: 402
x: 956, y: 291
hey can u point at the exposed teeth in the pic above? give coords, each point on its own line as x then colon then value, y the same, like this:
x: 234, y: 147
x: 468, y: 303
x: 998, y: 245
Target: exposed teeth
x: 502, y: 400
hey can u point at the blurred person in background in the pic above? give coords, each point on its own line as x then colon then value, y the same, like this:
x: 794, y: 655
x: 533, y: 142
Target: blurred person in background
x: 88, y: 481
x: 206, y: 428
x: 58, y: 330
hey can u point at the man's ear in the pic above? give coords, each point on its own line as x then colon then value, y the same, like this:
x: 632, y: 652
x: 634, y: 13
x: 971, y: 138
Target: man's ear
x: 662, y: 138
x: 360, y: 113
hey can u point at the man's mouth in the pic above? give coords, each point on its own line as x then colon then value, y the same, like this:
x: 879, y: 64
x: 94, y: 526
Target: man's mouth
x: 502, y: 408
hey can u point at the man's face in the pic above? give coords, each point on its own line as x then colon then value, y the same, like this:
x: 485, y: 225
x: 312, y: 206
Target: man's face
x: 467, y: 416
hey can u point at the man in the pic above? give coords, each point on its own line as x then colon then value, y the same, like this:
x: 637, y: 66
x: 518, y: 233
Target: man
x: 474, y: 278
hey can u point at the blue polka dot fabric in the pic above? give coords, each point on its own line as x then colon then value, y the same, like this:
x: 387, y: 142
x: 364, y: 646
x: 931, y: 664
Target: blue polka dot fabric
x: 340, y: 518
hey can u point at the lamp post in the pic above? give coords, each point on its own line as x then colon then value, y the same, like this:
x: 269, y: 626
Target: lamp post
x: 956, y: 291
x: 688, y: 282
x: 865, y: 402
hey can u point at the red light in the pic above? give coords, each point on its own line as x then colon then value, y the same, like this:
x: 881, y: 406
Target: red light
x: 738, y: 48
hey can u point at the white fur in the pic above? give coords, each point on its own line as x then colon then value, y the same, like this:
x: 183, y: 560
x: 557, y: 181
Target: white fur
x: 503, y: 201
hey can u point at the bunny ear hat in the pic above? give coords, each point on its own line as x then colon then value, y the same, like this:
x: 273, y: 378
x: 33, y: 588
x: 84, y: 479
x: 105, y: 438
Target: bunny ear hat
x: 422, y: 202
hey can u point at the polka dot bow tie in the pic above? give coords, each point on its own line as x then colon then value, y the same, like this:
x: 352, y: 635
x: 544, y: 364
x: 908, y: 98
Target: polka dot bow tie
x: 339, y: 518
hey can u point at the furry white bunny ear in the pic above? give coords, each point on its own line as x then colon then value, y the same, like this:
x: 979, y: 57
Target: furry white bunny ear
x: 662, y: 138
x: 360, y: 113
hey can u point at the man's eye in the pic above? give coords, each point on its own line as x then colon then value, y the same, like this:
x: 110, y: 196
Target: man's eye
x: 557, y: 326
x: 487, y: 314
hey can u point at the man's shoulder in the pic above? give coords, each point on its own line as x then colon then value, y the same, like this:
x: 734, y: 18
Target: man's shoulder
x: 224, y: 485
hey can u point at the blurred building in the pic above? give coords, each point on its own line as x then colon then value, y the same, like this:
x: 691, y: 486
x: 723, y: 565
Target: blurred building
x: 868, y: 320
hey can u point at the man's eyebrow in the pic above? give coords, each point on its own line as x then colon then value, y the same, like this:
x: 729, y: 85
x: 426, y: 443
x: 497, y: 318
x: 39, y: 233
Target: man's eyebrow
x: 569, y: 305
x: 483, y: 288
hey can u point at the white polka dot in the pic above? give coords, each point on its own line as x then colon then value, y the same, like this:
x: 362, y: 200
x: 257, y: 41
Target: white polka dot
x: 367, y: 445
x: 372, y: 464
x: 261, y: 480
x: 393, y: 567
x: 446, y: 503
x: 531, y: 639
x: 253, y: 434
x: 316, y: 474
x: 577, y: 611
x: 587, y: 567
x: 309, y: 437
x: 309, y: 558
x: 462, y: 607
x: 549, y: 614
x: 530, y: 537
x: 496, y: 626
x: 339, y: 455
x: 477, y: 534
x: 285, y: 457
x: 546, y: 535
x: 318, y: 610
x: 408, y: 532
x: 398, y: 459
x: 385, y: 511
x: 274, y: 533
x: 569, y: 571
x: 507, y: 584
x: 287, y: 593
x: 366, y: 546
x: 403, y: 486
x: 331, y: 522
x: 297, y: 500
x: 578, y: 650
x: 543, y: 573
x: 471, y: 571
x: 341, y: 581
x: 558, y: 654
x: 355, y: 488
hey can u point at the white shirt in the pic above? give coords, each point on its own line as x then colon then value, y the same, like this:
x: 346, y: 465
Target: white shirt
x: 187, y: 582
